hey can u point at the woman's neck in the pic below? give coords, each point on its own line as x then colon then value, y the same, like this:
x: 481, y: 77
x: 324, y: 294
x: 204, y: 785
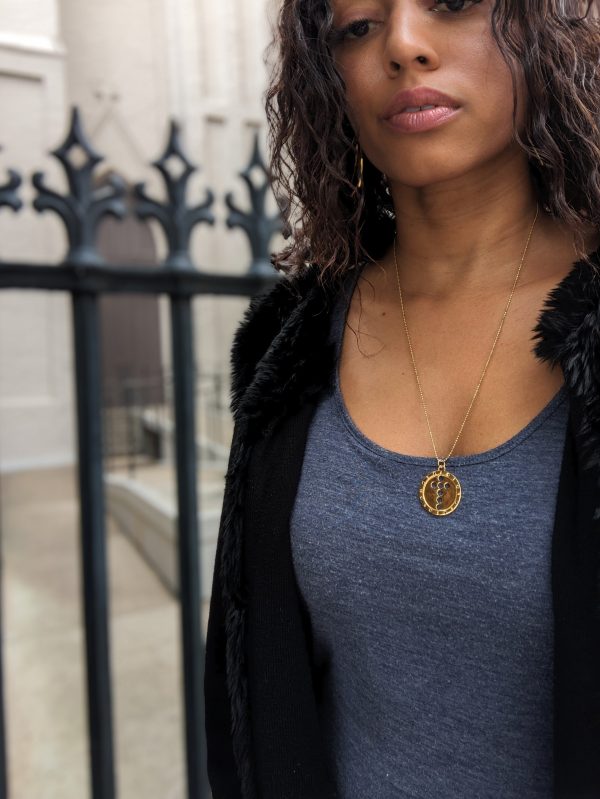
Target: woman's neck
x: 470, y: 254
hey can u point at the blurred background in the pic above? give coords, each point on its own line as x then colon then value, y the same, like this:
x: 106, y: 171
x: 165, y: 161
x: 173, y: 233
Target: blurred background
x: 143, y: 74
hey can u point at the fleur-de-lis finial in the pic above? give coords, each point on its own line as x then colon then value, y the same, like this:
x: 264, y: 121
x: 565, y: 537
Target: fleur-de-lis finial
x: 176, y: 218
x: 8, y: 191
x: 82, y: 209
x: 256, y: 224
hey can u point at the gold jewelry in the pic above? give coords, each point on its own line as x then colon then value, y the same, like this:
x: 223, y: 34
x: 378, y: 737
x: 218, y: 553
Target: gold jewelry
x: 440, y: 491
x: 360, y: 167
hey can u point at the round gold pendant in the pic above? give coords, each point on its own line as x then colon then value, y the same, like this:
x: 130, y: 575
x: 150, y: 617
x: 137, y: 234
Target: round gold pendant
x: 440, y: 492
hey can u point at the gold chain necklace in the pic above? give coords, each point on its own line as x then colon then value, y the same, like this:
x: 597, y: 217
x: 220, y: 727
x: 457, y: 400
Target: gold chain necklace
x: 440, y: 491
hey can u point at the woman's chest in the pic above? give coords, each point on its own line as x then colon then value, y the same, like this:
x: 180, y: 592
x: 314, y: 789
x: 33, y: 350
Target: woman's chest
x: 451, y: 347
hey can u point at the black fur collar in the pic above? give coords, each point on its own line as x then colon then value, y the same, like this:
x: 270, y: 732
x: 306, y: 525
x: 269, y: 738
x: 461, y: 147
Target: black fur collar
x: 280, y: 355
x: 568, y: 333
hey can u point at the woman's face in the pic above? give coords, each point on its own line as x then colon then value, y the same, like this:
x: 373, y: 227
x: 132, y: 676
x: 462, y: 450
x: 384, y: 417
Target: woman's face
x: 383, y: 47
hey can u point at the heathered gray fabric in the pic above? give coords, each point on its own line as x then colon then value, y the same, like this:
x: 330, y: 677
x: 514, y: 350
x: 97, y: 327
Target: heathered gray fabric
x: 436, y: 631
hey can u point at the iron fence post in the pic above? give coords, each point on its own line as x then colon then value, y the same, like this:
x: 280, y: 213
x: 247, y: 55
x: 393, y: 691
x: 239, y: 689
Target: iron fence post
x: 81, y: 211
x: 3, y: 760
x: 93, y: 542
x: 188, y: 549
x: 8, y: 197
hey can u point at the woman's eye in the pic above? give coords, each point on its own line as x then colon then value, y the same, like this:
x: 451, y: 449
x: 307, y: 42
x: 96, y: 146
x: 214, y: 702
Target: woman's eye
x: 355, y: 30
x: 454, y: 6
x: 361, y: 28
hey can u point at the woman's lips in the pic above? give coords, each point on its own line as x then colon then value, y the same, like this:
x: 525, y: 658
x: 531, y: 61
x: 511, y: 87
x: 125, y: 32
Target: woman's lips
x: 420, y: 121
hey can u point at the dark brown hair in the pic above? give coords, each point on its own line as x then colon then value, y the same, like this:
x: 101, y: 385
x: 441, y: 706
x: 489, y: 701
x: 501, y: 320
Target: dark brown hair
x: 312, y: 144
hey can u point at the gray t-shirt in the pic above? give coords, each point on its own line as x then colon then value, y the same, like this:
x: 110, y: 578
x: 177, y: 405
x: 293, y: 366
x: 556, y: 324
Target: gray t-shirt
x: 435, y: 633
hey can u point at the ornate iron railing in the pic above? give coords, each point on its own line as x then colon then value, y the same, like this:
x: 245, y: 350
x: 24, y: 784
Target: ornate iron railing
x: 85, y: 276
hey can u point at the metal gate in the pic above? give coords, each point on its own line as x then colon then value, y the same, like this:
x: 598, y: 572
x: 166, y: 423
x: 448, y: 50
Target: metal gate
x: 86, y: 277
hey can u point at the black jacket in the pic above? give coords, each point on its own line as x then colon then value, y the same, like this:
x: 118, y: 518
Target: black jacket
x: 261, y: 688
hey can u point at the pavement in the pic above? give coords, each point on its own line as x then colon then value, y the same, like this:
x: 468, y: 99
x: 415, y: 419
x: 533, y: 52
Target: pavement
x: 44, y: 666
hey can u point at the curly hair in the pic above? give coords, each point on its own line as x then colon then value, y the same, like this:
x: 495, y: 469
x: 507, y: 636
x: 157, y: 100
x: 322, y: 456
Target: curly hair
x: 312, y: 144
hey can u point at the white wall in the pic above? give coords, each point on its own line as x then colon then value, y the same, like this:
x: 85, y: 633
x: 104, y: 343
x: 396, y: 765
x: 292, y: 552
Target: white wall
x: 35, y: 346
x: 133, y: 64
x: 129, y: 65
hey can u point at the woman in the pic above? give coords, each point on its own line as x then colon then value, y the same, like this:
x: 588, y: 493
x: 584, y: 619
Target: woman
x: 406, y: 591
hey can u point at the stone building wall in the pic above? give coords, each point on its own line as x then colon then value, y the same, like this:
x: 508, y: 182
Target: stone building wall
x: 130, y: 65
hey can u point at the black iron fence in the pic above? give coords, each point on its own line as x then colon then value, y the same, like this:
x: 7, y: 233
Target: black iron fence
x: 85, y: 276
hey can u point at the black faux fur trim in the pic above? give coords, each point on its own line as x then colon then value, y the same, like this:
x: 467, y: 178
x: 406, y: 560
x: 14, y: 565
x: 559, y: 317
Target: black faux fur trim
x: 568, y: 333
x: 235, y: 611
x: 280, y: 355
x: 280, y: 359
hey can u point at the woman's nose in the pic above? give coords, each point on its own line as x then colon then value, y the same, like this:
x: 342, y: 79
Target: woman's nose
x: 409, y: 42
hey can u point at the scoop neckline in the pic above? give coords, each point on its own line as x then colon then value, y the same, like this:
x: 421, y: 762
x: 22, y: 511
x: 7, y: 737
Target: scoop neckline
x: 456, y: 460
x: 421, y: 460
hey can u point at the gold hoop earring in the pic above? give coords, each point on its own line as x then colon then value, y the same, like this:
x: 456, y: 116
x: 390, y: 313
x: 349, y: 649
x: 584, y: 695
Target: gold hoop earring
x: 360, y: 168
x: 386, y: 184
